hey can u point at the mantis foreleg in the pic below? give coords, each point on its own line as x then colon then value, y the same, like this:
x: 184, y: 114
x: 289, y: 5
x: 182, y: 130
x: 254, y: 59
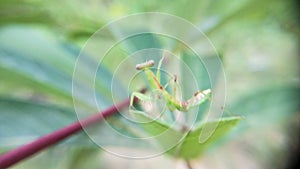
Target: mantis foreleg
x: 140, y: 96
x: 158, y: 69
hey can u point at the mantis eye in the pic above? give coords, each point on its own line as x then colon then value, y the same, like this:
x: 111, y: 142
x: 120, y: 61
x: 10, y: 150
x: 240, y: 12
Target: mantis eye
x: 145, y: 65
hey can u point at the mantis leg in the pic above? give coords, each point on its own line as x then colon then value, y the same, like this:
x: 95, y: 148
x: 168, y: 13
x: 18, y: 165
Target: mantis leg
x: 167, y: 84
x: 198, y: 98
x: 175, y: 85
x: 170, y: 106
x: 158, y: 77
x: 158, y: 69
x: 140, y: 96
x: 174, y: 95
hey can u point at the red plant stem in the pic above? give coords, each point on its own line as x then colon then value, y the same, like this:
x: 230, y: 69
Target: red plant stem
x: 12, y: 157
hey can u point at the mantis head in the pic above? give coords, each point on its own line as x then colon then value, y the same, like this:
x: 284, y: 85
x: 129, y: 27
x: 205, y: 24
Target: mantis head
x: 145, y: 65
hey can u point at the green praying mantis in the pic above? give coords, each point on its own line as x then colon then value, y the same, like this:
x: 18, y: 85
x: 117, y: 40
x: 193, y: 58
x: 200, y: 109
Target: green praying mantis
x: 172, y: 102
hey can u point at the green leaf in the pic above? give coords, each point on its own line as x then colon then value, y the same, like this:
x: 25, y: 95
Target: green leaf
x: 198, y: 74
x: 198, y: 69
x: 32, y: 62
x: 142, y: 41
x: 38, y: 45
x: 189, y: 146
x: 267, y: 106
x: 23, y: 71
x: 40, y: 69
x: 64, y: 157
x: 24, y: 121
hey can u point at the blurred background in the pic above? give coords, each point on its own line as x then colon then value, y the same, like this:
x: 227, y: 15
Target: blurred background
x: 258, y: 42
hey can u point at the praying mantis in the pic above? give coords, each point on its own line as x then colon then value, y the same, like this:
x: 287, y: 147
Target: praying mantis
x: 172, y: 102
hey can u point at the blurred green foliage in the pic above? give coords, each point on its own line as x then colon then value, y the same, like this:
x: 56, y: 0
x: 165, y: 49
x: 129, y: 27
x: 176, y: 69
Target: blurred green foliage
x: 258, y: 42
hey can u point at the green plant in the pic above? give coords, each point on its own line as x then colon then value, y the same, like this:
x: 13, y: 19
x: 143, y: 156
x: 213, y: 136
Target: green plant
x: 38, y: 54
x: 23, y: 63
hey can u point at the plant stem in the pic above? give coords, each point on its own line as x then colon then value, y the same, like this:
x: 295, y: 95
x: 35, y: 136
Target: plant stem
x: 12, y: 157
x: 188, y: 164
